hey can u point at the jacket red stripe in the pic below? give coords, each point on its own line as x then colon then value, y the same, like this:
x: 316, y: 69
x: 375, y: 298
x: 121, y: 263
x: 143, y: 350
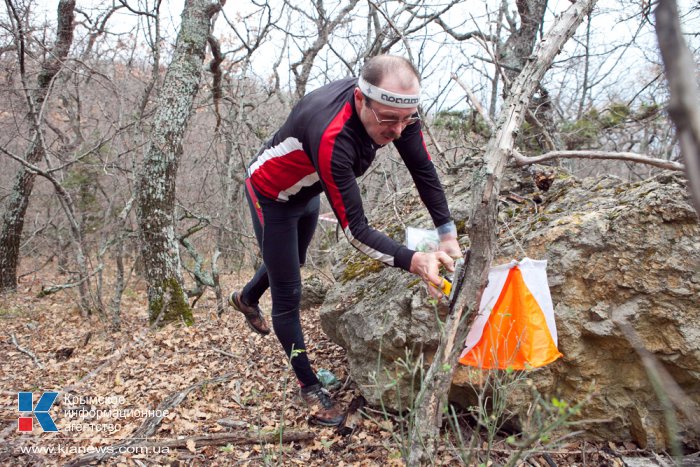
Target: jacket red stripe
x: 325, y: 159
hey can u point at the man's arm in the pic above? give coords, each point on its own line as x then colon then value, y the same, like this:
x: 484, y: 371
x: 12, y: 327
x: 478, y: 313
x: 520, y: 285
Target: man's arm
x: 341, y: 188
x: 411, y: 147
x: 335, y: 168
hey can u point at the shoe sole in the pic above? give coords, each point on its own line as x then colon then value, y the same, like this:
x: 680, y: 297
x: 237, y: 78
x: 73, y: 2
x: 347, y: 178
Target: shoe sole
x: 232, y: 302
x: 254, y: 329
x: 315, y: 421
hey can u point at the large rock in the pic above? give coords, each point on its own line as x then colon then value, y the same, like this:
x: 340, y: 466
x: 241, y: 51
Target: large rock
x: 616, y: 252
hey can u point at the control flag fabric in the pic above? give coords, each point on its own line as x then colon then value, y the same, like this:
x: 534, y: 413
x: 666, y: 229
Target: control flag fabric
x: 515, y: 327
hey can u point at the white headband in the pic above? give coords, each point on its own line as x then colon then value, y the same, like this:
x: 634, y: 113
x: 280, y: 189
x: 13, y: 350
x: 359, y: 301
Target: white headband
x: 401, y: 101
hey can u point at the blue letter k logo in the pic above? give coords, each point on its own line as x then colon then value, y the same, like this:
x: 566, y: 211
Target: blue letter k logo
x: 41, y: 411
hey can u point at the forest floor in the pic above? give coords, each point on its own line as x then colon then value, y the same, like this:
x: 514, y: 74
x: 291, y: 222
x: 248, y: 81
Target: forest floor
x: 120, y: 378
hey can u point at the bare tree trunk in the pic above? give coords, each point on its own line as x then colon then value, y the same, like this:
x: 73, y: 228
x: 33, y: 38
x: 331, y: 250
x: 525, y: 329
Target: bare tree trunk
x: 116, y: 302
x: 514, y: 54
x: 493, y: 103
x: 13, y: 219
x: 518, y: 47
x: 69, y: 209
x: 482, y: 232
x: 587, y: 64
x: 156, y: 183
x: 683, y: 106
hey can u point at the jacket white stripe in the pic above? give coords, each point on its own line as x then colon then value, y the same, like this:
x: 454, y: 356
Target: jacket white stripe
x: 369, y: 251
x: 287, y: 146
x: 294, y: 189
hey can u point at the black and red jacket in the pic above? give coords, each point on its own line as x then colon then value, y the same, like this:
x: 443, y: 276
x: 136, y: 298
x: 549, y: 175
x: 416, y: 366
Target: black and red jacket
x: 323, y: 146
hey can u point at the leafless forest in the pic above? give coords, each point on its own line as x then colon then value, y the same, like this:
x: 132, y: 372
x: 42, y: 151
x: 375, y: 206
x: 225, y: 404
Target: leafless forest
x: 126, y: 125
x: 81, y: 96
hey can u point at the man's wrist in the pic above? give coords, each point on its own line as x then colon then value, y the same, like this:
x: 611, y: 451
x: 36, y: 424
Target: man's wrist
x: 403, y: 258
x: 447, y: 231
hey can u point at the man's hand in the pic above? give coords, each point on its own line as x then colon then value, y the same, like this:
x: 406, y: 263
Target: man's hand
x: 451, y: 247
x: 427, y: 266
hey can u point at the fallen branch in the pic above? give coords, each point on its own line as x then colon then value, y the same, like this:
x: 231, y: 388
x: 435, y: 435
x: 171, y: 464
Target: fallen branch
x: 26, y: 352
x: 521, y: 160
x: 150, y: 425
x: 230, y: 423
x: 223, y: 352
x: 117, y: 355
x: 235, y: 438
x: 46, y: 291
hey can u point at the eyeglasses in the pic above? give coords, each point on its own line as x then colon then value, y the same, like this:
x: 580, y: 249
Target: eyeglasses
x: 393, y: 121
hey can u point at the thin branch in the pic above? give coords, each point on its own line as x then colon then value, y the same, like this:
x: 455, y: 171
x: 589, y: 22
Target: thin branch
x: 215, y: 69
x: 475, y: 102
x: 136, y: 12
x: 26, y: 352
x: 223, y: 352
x: 219, y: 439
x: 502, y: 68
x: 57, y: 288
x: 465, y: 36
x: 398, y: 31
x: 521, y: 160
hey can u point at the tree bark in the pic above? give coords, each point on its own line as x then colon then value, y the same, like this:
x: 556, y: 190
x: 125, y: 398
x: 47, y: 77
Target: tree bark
x: 515, y: 52
x: 13, y: 218
x: 69, y: 209
x: 683, y: 106
x: 431, y: 399
x: 156, y: 182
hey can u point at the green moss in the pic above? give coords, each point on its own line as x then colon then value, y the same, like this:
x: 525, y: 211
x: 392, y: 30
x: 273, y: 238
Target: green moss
x: 177, y: 307
x: 359, y: 266
x: 395, y: 232
x: 647, y: 110
x: 461, y: 226
x: 616, y: 115
x: 9, y: 312
x: 581, y: 132
x: 462, y: 123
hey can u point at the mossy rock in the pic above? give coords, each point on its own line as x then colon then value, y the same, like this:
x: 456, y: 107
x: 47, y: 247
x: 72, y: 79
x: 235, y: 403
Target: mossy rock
x: 358, y: 266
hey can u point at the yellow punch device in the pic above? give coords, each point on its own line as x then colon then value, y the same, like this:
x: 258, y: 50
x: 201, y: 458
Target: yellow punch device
x: 447, y: 283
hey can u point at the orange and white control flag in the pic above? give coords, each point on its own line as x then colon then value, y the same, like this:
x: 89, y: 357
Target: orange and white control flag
x: 515, y: 327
